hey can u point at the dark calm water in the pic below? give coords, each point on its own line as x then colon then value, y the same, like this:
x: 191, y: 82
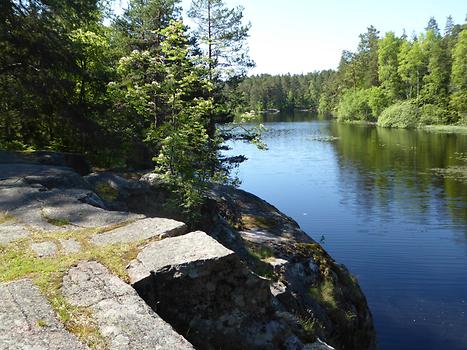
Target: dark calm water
x: 382, y: 210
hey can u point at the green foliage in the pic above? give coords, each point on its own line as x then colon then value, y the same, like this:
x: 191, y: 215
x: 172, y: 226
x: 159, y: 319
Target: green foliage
x: 428, y: 69
x: 222, y: 36
x: 377, y: 101
x: 458, y: 98
x: 354, y: 106
x: 400, y: 115
x: 388, y: 63
x: 433, y: 115
x: 284, y: 92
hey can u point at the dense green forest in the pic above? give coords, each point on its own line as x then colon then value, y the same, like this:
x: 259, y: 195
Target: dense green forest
x: 396, y: 81
x: 137, y: 90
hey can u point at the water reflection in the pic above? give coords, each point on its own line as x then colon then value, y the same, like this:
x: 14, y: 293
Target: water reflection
x: 391, y: 163
x: 400, y: 226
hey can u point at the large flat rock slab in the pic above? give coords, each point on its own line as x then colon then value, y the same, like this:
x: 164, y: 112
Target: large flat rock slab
x: 45, y: 175
x: 204, y: 291
x: 58, y: 209
x: 141, y: 230
x: 27, y: 321
x: 123, y: 317
x: 71, y: 160
x: 44, y: 249
x: 192, y: 248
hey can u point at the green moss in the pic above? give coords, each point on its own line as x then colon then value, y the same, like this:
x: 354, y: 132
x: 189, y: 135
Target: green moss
x: 41, y: 323
x: 256, y: 221
x: 57, y: 222
x: 260, y: 252
x: 106, y: 192
x: 17, y: 260
x: 312, y: 327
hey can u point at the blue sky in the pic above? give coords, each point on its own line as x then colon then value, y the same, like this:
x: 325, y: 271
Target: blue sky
x: 300, y: 36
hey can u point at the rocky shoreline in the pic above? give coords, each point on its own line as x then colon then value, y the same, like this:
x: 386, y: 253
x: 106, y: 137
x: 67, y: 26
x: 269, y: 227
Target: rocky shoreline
x: 97, y: 261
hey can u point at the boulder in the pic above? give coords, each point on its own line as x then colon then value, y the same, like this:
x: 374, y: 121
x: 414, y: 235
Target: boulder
x: 27, y: 321
x: 116, y: 190
x: 58, y: 209
x: 45, y: 175
x: 122, y: 316
x: 205, y: 291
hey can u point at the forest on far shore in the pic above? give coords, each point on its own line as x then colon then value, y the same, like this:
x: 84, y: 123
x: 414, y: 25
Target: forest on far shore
x: 395, y: 81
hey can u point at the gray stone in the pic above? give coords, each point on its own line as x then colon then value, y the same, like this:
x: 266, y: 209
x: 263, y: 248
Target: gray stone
x: 28, y: 322
x: 116, y: 190
x: 180, y: 251
x: 58, y: 209
x: 141, y: 230
x: 122, y: 316
x: 44, y: 249
x: 45, y: 175
x: 204, y: 291
x: 152, y: 179
x: 11, y: 231
x: 70, y: 246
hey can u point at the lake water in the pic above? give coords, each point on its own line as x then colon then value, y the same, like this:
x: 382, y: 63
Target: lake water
x: 380, y: 204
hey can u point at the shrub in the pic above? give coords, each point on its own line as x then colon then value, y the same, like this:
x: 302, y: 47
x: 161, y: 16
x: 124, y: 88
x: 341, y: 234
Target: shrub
x: 400, y: 115
x: 432, y: 114
x: 354, y: 106
x: 378, y: 101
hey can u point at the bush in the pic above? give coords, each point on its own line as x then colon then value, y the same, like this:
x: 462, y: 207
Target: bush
x: 400, y: 115
x: 354, y: 106
x: 378, y: 101
x: 434, y: 115
x: 458, y: 104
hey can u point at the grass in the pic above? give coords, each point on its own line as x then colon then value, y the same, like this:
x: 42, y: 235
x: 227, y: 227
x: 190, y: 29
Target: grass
x: 324, y: 294
x: 17, y: 261
x: 446, y: 129
x: 5, y: 217
x: 260, y: 252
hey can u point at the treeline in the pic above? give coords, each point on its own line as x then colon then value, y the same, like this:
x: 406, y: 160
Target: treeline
x: 284, y: 92
x: 396, y: 81
x: 140, y: 92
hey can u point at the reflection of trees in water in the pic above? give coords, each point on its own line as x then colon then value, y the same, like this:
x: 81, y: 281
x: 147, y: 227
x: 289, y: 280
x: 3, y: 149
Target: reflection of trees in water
x: 392, y: 165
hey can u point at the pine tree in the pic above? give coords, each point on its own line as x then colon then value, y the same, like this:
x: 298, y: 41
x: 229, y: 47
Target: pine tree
x: 223, y: 35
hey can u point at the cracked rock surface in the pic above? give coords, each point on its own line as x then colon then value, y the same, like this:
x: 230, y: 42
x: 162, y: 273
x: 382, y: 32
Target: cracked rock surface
x: 27, y: 321
x: 123, y: 317
x: 207, y: 293
x: 141, y: 230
